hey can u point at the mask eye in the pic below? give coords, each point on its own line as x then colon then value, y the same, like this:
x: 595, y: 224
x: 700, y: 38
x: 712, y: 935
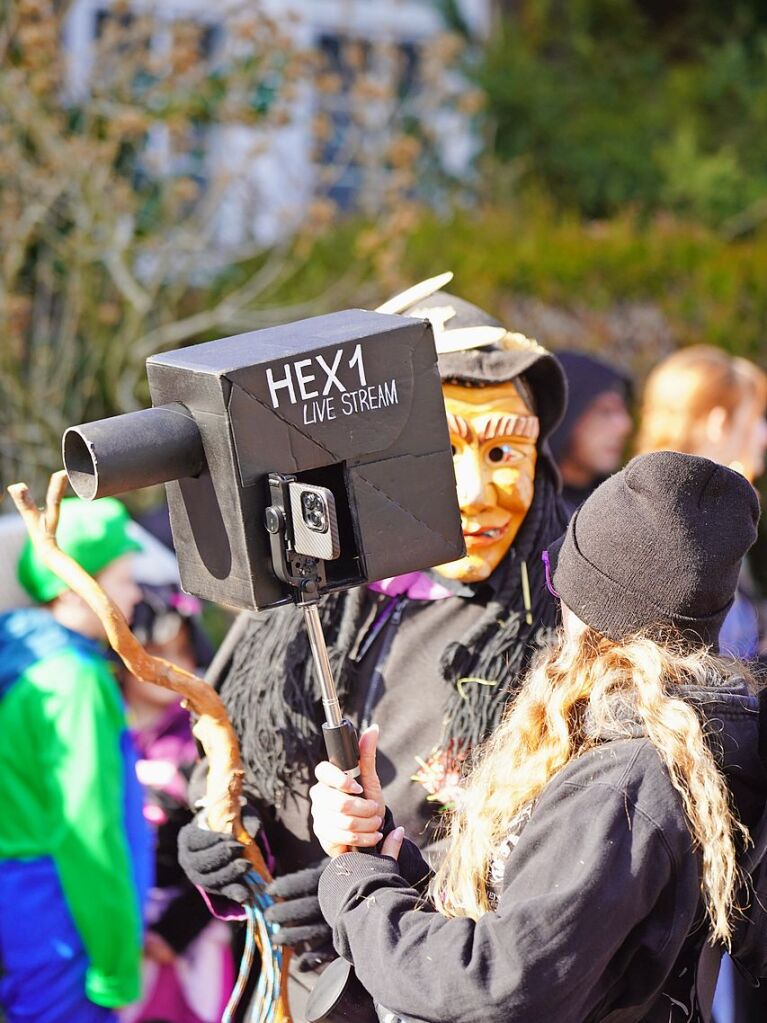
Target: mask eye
x: 503, y: 454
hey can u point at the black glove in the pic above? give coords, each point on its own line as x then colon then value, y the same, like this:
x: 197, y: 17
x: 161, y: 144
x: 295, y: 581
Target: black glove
x: 302, y: 926
x: 216, y: 862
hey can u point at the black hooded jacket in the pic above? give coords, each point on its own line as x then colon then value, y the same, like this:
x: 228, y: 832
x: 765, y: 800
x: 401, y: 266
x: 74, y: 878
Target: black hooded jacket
x: 600, y: 915
x: 587, y: 378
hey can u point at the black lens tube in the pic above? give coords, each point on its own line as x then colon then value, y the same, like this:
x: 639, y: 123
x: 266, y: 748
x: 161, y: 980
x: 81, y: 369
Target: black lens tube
x: 138, y: 449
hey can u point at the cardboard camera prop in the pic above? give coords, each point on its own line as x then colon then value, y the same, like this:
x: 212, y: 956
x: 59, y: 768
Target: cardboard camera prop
x: 322, y: 439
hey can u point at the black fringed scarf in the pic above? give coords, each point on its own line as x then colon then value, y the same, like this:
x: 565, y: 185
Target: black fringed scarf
x: 499, y: 647
x: 266, y: 676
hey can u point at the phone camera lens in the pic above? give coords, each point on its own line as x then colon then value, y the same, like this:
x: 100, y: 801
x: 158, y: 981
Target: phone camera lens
x: 314, y: 511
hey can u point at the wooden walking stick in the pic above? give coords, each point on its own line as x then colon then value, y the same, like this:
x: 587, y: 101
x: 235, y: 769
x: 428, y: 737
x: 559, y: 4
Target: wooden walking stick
x: 213, y: 728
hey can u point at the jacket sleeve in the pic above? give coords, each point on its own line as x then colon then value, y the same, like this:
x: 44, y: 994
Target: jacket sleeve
x: 410, y: 863
x: 587, y: 868
x: 83, y: 764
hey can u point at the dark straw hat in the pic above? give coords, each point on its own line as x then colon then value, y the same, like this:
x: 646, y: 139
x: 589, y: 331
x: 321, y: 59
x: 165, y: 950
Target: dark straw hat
x: 513, y: 357
x: 659, y: 543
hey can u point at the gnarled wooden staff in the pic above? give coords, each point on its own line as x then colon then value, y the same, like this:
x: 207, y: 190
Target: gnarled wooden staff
x: 213, y: 728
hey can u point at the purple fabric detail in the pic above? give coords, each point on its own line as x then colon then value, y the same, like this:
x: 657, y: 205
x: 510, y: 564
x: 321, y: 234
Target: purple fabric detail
x: 266, y: 851
x: 185, y: 604
x: 221, y: 908
x: 547, y: 569
x: 169, y: 738
x: 380, y: 620
x: 193, y: 989
x: 164, y: 748
x: 739, y: 635
x: 415, y: 585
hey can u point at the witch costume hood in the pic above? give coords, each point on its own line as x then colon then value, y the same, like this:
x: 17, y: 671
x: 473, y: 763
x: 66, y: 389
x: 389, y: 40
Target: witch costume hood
x: 278, y: 719
x: 535, y: 372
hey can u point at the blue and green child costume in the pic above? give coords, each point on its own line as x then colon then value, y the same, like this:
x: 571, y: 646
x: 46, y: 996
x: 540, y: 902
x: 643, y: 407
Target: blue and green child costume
x: 75, y: 853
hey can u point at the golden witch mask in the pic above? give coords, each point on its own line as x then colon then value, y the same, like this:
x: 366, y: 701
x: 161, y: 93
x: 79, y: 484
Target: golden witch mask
x: 494, y: 433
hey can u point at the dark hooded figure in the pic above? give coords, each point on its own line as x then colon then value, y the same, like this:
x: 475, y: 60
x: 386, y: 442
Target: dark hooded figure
x: 606, y: 845
x: 589, y: 443
x: 431, y: 656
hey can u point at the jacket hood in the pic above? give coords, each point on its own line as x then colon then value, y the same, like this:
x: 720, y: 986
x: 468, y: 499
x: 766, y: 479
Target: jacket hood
x: 729, y: 713
x: 731, y: 720
x: 29, y: 635
x: 587, y: 377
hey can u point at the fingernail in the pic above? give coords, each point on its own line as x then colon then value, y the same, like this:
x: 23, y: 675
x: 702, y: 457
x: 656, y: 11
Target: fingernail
x: 399, y: 832
x: 357, y: 788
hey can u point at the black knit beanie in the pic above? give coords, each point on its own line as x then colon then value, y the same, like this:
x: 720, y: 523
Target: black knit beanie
x: 659, y: 543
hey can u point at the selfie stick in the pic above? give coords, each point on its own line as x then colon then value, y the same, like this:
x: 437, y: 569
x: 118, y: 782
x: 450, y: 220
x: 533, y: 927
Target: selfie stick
x: 306, y: 574
x: 340, y: 734
x: 338, y: 997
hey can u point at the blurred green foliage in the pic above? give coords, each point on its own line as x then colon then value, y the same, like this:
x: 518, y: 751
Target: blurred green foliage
x: 608, y: 103
x: 712, y: 289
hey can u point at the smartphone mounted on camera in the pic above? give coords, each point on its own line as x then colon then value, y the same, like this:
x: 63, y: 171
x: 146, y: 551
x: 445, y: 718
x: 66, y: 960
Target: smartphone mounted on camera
x: 345, y: 411
x: 302, y: 524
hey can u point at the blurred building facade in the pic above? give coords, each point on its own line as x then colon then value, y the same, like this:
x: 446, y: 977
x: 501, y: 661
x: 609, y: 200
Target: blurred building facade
x: 270, y: 182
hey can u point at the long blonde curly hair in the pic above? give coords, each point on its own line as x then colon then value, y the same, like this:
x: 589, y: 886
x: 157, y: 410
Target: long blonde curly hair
x: 590, y: 679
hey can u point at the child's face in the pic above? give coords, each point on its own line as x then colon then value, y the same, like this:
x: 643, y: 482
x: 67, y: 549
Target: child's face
x: 117, y: 582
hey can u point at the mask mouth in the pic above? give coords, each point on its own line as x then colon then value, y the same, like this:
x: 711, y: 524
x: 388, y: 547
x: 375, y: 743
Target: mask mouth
x: 491, y: 521
x: 489, y: 535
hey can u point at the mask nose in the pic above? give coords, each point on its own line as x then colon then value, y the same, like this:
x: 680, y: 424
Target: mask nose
x: 474, y: 490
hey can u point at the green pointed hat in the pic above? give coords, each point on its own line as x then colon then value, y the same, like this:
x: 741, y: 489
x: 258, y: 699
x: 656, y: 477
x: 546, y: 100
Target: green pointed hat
x: 94, y: 534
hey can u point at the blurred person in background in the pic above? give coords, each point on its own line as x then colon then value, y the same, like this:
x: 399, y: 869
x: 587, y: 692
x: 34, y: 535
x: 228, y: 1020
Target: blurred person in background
x: 75, y: 852
x: 704, y: 401
x: 589, y: 443
x: 188, y: 963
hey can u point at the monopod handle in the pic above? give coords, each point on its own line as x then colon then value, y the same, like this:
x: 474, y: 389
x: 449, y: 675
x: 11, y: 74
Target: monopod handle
x: 342, y: 746
x: 337, y: 997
